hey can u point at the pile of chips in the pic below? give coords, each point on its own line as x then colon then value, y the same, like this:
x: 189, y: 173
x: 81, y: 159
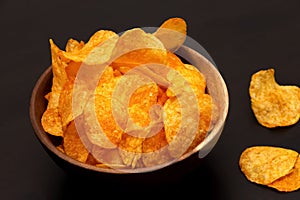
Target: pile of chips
x: 127, y: 101
x: 275, y: 167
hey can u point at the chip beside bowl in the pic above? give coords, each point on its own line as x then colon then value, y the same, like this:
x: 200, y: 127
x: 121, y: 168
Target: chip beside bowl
x: 216, y: 87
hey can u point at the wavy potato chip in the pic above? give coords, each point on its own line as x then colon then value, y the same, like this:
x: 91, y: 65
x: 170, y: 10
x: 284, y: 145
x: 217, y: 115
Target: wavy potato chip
x: 130, y: 149
x: 73, y: 145
x: 265, y: 164
x: 51, y: 121
x: 70, y: 96
x: 73, y: 45
x: 289, y: 182
x: 172, y: 33
x: 273, y: 105
x: 191, y: 75
x: 136, y: 47
x: 155, y: 151
x: 174, y: 123
x: 109, y: 157
x: 97, y: 50
x: 109, y: 133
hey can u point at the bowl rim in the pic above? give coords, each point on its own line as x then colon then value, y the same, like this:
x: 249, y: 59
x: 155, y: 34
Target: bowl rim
x: 43, y: 137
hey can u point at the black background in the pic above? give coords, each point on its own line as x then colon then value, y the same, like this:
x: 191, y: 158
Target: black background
x: 242, y: 37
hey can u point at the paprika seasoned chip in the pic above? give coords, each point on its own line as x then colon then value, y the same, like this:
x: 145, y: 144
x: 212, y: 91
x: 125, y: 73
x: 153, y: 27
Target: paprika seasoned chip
x: 172, y: 33
x: 135, y: 47
x: 273, y: 105
x: 265, y: 164
x: 289, y: 182
x: 73, y: 145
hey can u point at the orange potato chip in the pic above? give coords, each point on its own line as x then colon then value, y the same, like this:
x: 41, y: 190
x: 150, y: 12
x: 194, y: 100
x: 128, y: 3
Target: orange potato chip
x: 265, y: 164
x: 97, y: 50
x: 73, y: 145
x: 172, y: 33
x: 135, y: 48
x: 273, y: 105
x: 102, y: 128
x: 155, y: 151
x: 51, y: 122
x: 289, y: 182
x: 191, y: 75
x: 68, y: 98
x: 173, y: 122
x: 130, y: 149
x: 72, y: 69
x: 109, y: 157
x: 73, y: 45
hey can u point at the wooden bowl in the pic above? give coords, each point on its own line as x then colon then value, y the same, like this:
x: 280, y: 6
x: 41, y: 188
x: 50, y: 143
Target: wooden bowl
x: 215, y: 86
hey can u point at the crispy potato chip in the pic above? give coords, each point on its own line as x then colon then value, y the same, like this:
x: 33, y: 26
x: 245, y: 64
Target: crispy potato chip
x: 73, y: 45
x: 142, y: 121
x: 73, y: 145
x: 206, y: 114
x: 102, y: 128
x: 265, y: 164
x: 135, y: 48
x: 141, y: 102
x: 273, y: 105
x: 51, y: 122
x: 97, y: 50
x: 173, y: 120
x: 130, y: 149
x: 162, y: 96
x: 72, y: 69
x: 191, y: 75
x: 68, y: 98
x: 172, y: 33
x: 289, y: 182
x: 155, y: 151
x: 109, y: 157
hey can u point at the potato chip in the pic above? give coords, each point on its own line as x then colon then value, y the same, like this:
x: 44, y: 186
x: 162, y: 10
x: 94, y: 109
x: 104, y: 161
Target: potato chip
x: 109, y: 157
x: 172, y: 33
x: 265, y: 164
x: 130, y: 149
x: 97, y: 50
x: 142, y: 121
x: 73, y: 145
x: 72, y: 69
x: 102, y: 129
x: 191, y: 75
x: 155, y: 151
x: 273, y: 105
x: 289, y: 182
x: 51, y: 121
x: 140, y: 103
x: 135, y: 48
x: 173, y: 120
x: 68, y: 98
x: 73, y: 45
